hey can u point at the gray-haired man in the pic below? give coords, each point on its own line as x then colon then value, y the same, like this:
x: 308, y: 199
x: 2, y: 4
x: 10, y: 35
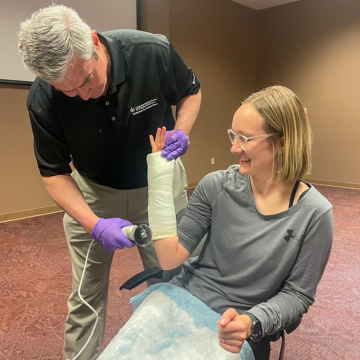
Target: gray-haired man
x: 95, y: 100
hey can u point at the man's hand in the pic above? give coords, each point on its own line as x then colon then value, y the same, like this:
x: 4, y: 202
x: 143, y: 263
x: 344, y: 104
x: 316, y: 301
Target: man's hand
x: 176, y: 144
x: 109, y: 233
x: 233, y: 329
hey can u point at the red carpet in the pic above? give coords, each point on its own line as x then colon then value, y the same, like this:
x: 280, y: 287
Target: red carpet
x: 35, y: 283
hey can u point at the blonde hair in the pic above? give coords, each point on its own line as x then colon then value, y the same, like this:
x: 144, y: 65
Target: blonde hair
x: 285, y: 117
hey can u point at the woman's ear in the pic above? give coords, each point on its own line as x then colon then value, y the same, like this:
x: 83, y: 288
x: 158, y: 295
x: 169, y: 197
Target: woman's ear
x: 279, y: 148
x: 282, y: 144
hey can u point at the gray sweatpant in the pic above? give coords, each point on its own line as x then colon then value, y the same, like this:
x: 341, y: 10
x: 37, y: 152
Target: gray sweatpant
x: 105, y: 203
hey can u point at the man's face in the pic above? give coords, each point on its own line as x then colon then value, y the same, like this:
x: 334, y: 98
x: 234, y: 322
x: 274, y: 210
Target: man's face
x: 88, y: 79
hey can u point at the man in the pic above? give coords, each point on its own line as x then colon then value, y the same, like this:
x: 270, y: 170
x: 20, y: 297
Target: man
x: 95, y: 101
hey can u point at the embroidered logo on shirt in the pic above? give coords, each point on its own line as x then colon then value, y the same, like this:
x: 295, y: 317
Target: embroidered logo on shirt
x: 145, y: 106
x: 290, y: 235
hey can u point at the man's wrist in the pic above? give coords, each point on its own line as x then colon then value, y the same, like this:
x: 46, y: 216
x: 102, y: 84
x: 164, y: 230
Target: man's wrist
x: 90, y: 224
x: 187, y: 135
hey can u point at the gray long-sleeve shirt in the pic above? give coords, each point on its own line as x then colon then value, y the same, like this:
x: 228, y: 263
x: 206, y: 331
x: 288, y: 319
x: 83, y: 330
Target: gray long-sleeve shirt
x: 268, y: 265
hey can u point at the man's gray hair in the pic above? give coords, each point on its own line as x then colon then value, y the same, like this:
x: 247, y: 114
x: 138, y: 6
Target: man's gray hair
x: 51, y: 40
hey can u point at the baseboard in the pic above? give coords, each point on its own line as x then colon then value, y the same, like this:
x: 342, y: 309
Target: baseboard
x: 333, y: 183
x: 29, y: 213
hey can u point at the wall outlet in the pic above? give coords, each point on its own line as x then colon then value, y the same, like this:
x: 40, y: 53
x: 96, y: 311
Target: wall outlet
x: 212, y: 161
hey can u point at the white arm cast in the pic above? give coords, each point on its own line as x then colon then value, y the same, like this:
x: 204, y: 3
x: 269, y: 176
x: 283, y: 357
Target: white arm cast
x: 161, y: 208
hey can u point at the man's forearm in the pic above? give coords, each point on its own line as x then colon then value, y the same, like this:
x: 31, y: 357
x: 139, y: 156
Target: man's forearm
x: 66, y: 193
x: 187, y: 110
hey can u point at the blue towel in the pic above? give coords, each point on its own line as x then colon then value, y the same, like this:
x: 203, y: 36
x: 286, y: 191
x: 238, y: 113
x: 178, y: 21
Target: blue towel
x: 202, y: 314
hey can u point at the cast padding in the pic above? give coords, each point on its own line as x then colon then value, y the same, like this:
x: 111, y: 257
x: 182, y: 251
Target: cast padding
x: 161, y: 208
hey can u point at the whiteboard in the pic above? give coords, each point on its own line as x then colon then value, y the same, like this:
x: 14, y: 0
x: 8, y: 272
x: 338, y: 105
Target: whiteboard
x: 99, y: 15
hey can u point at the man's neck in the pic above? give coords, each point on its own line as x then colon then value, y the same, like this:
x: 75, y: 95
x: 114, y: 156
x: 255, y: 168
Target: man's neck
x: 108, y: 65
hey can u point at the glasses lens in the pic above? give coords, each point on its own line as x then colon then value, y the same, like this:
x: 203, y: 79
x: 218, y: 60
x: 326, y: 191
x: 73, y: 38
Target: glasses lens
x: 242, y: 141
x: 231, y: 136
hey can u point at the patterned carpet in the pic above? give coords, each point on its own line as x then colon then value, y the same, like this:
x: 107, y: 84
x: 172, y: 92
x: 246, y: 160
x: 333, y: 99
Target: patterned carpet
x: 35, y: 283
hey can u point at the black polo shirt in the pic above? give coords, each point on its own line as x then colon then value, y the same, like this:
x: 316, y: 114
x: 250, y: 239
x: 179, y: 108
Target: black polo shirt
x: 108, y: 138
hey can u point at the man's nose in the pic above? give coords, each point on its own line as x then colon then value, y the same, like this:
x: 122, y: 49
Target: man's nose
x: 84, y: 93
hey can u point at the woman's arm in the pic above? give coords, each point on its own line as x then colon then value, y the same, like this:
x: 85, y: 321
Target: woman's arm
x: 295, y: 296
x: 162, y: 217
x: 297, y: 293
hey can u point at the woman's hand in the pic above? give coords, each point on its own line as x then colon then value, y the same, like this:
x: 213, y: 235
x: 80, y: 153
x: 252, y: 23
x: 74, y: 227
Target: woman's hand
x: 159, y: 143
x: 233, y: 329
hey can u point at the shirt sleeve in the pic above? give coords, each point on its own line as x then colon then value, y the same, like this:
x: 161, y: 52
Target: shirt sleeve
x: 196, y: 221
x: 177, y: 79
x: 50, y: 146
x: 298, y: 290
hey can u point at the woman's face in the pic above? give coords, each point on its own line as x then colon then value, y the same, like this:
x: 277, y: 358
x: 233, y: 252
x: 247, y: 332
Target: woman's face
x: 257, y: 159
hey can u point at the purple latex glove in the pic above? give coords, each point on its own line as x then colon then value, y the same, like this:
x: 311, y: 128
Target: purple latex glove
x: 176, y: 145
x: 109, y: 233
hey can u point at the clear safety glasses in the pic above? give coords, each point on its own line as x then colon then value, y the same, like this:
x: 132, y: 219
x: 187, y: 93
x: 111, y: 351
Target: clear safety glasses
x: 242, y: 139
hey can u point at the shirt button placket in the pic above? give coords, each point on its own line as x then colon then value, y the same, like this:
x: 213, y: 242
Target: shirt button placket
x: 107, y: 103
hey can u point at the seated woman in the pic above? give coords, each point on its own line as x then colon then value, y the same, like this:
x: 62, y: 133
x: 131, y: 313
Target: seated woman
x: 269, y: 232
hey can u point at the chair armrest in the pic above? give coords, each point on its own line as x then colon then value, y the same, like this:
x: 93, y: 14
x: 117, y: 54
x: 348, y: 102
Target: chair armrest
x: 139, y: 278
x: 290, y: 328
x: 293, y: 326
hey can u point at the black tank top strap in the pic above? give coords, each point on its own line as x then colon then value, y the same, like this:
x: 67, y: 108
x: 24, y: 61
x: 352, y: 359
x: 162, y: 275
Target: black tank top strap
x: 292, y: 197
x: 303, y: 194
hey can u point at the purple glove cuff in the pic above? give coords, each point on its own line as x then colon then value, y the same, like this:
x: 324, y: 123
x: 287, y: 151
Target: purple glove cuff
x: 109, y: 233
x: 175, y: 145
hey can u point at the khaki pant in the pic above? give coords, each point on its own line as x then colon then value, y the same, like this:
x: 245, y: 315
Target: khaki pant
x: 105, y: 203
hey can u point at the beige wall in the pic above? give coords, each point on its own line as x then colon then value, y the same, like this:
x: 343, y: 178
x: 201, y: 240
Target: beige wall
x: 313, y: 47
x: 21, y: 192
x: 218, y: 40
x: 154, y: 15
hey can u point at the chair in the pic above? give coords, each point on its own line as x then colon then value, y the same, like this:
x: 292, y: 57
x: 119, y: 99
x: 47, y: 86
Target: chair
x: 167, y: 275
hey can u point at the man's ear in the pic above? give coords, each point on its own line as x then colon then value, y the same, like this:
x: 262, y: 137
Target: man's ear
x: 95, y: 38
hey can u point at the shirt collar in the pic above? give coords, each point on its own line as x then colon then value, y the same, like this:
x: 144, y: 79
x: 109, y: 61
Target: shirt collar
x: 119, y: 65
